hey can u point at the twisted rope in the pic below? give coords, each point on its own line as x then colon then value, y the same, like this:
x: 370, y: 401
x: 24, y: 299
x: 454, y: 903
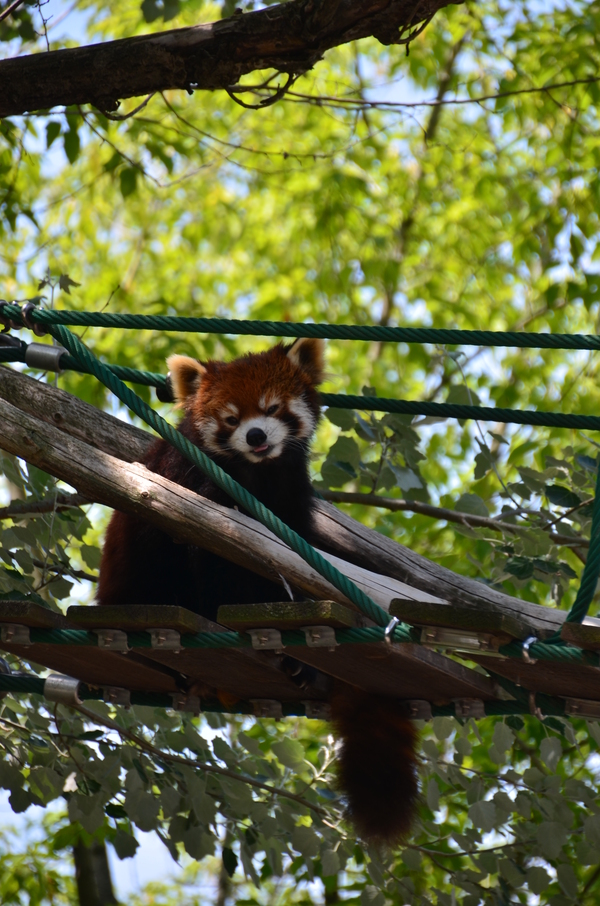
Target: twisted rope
x: 443, y: 336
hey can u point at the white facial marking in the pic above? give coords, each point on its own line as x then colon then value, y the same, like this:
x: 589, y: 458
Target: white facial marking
x: 230, y: 410
x: 208, y: 428
x: 275, y: 430
x: 304, y: 415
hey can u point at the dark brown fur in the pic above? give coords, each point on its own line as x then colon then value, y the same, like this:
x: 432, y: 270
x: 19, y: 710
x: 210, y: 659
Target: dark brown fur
x: 377, y: 764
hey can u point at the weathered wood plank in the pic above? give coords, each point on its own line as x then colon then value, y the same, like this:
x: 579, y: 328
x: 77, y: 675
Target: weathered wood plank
x: 550, y: 677
x: 289, y: 615
x: 404, y: 671
x: 505, y: 625
x: 90, y: 664
x: 584, y: 635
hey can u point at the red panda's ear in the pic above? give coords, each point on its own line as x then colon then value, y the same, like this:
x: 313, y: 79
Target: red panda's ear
x: 186, y: 376
x: 307, y: 355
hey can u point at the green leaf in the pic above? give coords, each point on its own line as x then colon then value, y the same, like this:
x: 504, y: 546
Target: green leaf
x: 483, y: 815
x: 230, y: 860
x: 551, y: 836
x: 52, y: 132
x: 538, y: 879
x: 290, y: 753
x: 72, y: 144
x: 472, y: 504
x: 551, y: 752
x: 343, y: 418
x: 560, y: 496
x: 125, y: 844
x: 128, y: 181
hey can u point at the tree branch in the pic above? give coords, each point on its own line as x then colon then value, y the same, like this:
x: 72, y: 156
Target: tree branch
x: 440, y: 512
x: 290, y: 38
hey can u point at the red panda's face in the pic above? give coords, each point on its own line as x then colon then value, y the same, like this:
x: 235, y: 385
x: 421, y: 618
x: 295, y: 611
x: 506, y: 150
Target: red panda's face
x: 256, y: 406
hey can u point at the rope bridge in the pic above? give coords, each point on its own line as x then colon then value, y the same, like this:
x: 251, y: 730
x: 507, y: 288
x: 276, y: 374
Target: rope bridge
x: 76, y: 356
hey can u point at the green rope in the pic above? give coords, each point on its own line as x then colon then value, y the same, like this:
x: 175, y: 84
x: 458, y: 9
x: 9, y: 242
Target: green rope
x: 539, y: 418
x: 443, y: 336
x: 224, y: 481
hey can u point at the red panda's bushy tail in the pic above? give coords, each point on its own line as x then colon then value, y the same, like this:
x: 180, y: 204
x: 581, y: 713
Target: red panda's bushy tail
x: 377, y: 763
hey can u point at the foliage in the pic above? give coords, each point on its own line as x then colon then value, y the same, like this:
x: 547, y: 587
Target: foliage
x: 329, y: 207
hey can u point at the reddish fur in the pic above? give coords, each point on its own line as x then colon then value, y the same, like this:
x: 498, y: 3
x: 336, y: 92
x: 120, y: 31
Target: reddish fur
x: 142, y: 565
x: 377, y: 764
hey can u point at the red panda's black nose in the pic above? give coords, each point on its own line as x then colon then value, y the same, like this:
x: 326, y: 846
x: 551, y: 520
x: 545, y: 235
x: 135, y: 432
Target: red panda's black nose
x: 255, y: 437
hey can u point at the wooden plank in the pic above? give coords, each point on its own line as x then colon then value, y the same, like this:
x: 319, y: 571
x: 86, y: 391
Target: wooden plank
x: 504, y: 626
x: 289, y: 615
x: 89, y: 664
x: 28, y: 613
x: 239, y: 673
x: 583, y: 635
x: 401, y: 670
x: 550, y: 677
x: 139, y: 617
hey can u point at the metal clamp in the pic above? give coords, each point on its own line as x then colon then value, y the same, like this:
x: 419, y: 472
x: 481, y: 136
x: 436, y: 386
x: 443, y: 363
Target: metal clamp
x: 5, y: 319
x: 44, y: 356
x: 62, y: 689
x: 38, y: 330
x: 112, y: 639
x: 165, y: 639
x: 317, y: 710
x: 183, y: 702
x: 115, y: 695
x: 533, y: 707
x: 320, y: 637
x: 389, y: 630
x: 469, y: 707
x: 529, y: 641
x: 266, y: 639
x: 418, y: 709
x: 14, y: 634
x: 267, y: 707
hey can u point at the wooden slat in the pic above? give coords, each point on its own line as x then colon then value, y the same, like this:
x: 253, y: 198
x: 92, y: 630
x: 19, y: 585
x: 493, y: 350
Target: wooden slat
x: 240, y: 673
x: 504, y: 626
x: 89, y: 664
x: 403, y: 671
x: 289, y: 615
x: 550, y: 677
x: 582, y: 634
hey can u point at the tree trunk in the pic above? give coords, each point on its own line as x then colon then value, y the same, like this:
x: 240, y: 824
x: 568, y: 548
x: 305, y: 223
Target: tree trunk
x: 92, y: 873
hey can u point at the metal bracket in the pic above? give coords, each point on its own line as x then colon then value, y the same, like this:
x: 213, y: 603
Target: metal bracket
x: 531, y: 640
x: 317, y: 710
x: 459, y: 639
x: 112, y: 639
x: 267, y: 707
x: 320, y: 637
x: 15, y: 634
x: 418, y: 709
x: 115, y: 695
x: 469, y: 707
x: 183, y: 702
x: 582, y: 707
x: 62, y: 689
x: 165, y: 639
x: 266, y: 639
x: 44, y: 356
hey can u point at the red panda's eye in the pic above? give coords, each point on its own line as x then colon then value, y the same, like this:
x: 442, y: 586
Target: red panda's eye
x: 232, y: 420
x: 272, y: 409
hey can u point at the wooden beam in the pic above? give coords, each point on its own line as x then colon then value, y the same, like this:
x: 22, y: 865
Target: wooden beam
x: 289, y: 37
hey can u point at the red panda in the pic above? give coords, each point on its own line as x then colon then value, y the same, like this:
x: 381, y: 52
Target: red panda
x: 255, y: 417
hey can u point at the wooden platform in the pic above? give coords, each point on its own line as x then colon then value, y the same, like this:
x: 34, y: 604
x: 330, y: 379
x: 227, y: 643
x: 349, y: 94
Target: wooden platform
x: 440, y: 670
